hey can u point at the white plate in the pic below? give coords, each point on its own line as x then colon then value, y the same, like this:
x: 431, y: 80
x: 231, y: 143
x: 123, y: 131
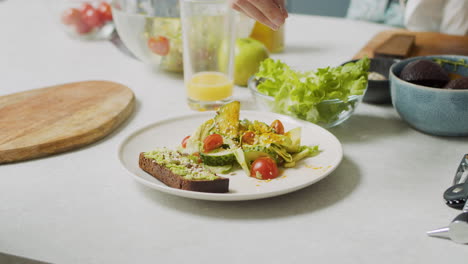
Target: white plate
x: 170, y: 132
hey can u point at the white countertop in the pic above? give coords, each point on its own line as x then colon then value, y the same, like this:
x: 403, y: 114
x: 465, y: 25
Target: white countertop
x: 82, y: 207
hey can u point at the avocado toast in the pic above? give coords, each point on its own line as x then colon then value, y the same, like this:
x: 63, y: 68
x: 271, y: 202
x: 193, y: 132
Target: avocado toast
x: 181, y: 171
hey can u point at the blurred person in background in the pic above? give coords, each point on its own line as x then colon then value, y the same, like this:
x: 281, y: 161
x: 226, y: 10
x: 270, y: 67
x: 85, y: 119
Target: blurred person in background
x: 446, y: 16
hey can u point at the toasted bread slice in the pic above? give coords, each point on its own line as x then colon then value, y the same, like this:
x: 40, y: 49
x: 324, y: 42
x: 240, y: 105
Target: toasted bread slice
x: 165, y: 175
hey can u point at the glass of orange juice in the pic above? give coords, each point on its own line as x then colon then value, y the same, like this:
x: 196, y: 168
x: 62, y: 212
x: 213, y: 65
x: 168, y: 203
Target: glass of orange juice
x: 208, y: 39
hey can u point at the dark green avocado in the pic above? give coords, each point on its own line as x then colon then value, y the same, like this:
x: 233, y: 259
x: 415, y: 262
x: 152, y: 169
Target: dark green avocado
x: 426, y: 73
x: 460, y: 83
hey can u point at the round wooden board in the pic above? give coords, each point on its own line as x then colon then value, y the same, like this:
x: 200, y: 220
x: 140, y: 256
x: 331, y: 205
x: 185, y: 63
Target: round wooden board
x: 59, y: 118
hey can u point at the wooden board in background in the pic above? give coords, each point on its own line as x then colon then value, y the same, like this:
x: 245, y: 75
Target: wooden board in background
x: 426, y: 43
x: 55, y: 119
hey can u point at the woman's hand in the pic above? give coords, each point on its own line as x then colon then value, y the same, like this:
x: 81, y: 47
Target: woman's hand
x: 269, y: 12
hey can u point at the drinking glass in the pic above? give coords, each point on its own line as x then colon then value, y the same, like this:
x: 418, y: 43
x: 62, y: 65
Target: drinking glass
x: 208, y: 32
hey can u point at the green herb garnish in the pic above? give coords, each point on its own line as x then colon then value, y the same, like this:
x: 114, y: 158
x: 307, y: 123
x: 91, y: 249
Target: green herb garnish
x: 455, y: 64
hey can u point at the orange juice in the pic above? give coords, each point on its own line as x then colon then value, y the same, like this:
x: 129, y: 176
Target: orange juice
x: 209, y: 86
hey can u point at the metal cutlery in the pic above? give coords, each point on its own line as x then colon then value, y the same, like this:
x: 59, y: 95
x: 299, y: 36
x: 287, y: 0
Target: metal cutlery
x: 456, y: 197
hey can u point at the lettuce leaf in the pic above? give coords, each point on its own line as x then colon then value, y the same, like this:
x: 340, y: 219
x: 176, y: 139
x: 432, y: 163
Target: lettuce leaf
x: 299, y: 94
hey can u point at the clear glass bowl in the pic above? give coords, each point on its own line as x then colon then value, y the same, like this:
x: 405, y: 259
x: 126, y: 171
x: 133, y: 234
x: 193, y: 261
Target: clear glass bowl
x: 86, y: 20
x: 330, y: 112
x: 152, y: 31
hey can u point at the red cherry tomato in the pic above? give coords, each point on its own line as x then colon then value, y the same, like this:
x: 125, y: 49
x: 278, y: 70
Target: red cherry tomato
x: 105, y: 10
x: 82, y: 28
x: 264, y: 168
x: 92, y: 18
x: 184, y: 141
x: 248, y: 137
x: 85, y: 6
x: 71, y: 16
x: 278, y: 127
x: 159, y: 45
x: 211, y: 142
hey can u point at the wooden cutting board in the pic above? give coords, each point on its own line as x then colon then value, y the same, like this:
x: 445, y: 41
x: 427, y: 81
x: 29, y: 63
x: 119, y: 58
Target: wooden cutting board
x: 55, y: 119
x: 426, y: 43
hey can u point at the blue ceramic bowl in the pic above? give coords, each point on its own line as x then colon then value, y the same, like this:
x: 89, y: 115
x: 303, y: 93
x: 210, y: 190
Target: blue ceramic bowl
x: 442, y: 112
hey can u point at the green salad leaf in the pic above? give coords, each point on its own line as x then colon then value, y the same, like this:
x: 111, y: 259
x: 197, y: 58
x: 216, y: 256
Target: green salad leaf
x: 300, y: 94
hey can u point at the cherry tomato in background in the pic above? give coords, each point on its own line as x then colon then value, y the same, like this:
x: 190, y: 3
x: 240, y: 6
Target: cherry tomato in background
x: 159, y: 45
x: 82, y: 28
x: 278, y: 127
x: 105, y: 11
x: 92, y: 18
x: 71, y: 16
x: 184, y: 141
x: 211, y: 142
x: 264, y: 168
x: 248, y: 137
x: 85, y: 7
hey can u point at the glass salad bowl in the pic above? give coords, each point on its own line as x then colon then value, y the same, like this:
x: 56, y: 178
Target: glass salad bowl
x: 152, y: 30
x: 324, y: 96
x: 327, y: 114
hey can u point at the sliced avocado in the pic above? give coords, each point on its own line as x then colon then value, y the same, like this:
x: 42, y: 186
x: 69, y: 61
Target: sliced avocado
x: 306, y: 152
x: 295, y: 136
x: 240, y: 157
x: 282, y: 152
x: 227, y: 119
x: 194, y: 143
x: 426, y: 73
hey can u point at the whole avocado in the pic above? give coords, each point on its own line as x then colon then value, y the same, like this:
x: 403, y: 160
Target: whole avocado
x: 460, y: 83
x: 426, y: 73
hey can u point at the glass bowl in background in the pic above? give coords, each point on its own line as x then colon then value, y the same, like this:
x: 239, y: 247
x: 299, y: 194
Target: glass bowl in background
x: 87, y: 20
x: 330, y: 112
x: 152, y: 31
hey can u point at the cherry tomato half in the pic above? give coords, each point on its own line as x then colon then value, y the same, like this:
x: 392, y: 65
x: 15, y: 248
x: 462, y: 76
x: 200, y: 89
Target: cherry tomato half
x: 184, y: 141
x: 159, y: 45
x: 211, y: 142
x: 248, y: 137
x: 264, y: 168
x: 278, y: 127
x: 105, y: 11
x: 71, y: 16
x: 92, y: 18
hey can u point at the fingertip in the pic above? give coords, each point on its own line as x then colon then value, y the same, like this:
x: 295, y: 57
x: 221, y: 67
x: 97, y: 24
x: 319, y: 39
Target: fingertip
x: 278, y: 22
x: 237, y: 8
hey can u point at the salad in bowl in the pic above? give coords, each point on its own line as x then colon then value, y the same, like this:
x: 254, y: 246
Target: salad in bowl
x: 326, y: 96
